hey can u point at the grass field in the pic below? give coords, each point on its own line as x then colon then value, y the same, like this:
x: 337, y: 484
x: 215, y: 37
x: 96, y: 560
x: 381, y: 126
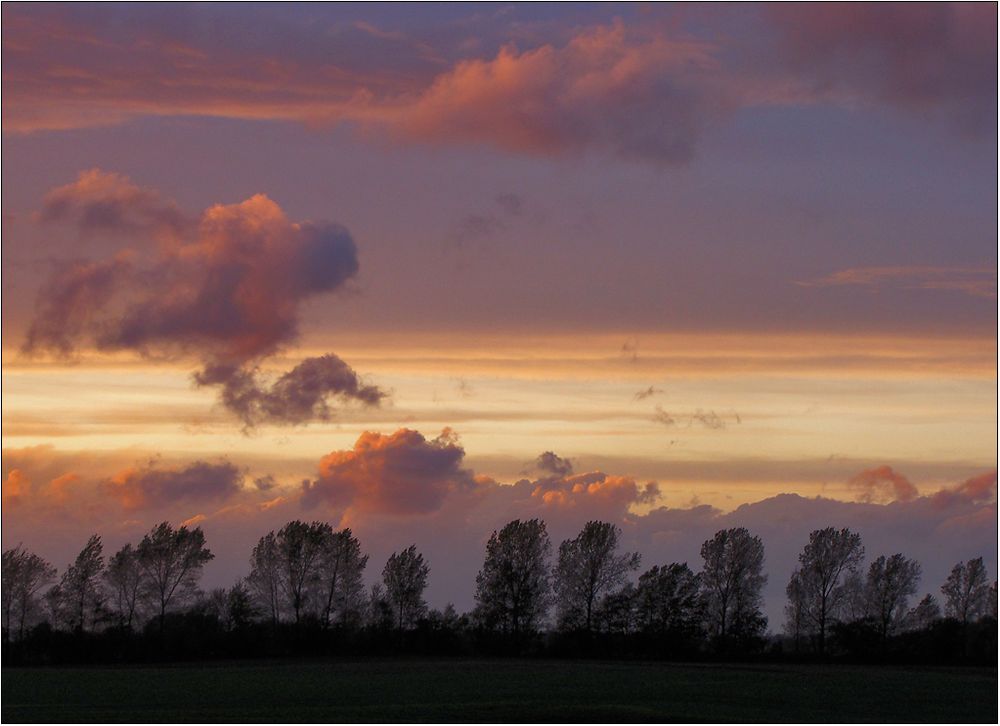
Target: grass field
x: 479, y: 690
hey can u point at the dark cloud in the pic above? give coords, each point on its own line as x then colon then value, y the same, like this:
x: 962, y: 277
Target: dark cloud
x: 302, y: 394
x: 229, y: 294
x: 646, y: 393
x: 69, y: 301
x: 265, y: 483
x: 662, y: 417
x: 152, y: 486
x: 919, y: 57
x: 552, y: 463
x: 486, y: 225
x: 708, y: 419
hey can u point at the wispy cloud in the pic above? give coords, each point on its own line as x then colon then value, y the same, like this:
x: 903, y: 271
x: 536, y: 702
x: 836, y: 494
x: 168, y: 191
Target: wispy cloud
x: 973, y: 281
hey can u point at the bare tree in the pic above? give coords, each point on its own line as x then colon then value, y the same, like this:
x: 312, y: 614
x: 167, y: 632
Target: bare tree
x: 890, y: 584
x: 966, y: 591
x: 171, y: 562
x: 824, y: 564
x: 339, y: 571
x: 512, y: 588
x: 732, y: 578
x: 264, y: 580
x: 405, y: 578
x: 123, y: 577
x: 589, y: 566
x: 80, y: 593
x: 24, y: 574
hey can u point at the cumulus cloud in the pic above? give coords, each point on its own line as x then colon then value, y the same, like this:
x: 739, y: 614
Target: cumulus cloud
x: 229, y: 293
x: 552, y: 463
x: 977, y: 489
x: 70, y: 300
x: 595, y: 490
x: 100, y: 201
x: 301, y: 394
x: 402, y: 473
x: 153, y: 486
x: 882, y: 484
x: 607, y: 88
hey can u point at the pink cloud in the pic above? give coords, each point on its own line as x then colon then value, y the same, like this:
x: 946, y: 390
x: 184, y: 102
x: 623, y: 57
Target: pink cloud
x: 227, y: 289
x: 882, y: 484
x: 981, y: 488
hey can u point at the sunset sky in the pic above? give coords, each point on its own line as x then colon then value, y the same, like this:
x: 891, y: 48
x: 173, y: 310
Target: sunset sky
x: 420, y: 270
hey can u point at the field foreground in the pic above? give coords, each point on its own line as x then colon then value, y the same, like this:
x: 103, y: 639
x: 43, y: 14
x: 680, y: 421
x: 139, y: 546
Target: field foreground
x: 481, y: 690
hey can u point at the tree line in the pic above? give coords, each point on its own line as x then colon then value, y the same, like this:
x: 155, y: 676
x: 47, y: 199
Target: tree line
x: 305, y: 591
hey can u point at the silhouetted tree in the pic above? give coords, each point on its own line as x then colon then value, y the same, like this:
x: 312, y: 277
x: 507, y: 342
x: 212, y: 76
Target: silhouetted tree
x: 299, y: 548
x: 339, y: 571
x: 589, y: 566
x: 512, y: 588
x: 854, y: 604
x: 377, y: 609
x: 828, y: 558
x: 966, y: 591
x: 890, y: 584
x: 405, y: 577
x: 265, y: 579
x: 24, y: 574
x: 171, y: 562
x: 616, y: 612
x: 921, y: 616
x: 233, y: 608
x: 80, y: 593
x: 732, y: 578
x: 668, y: 600
x: 795, y: 611
x: 123, y: 578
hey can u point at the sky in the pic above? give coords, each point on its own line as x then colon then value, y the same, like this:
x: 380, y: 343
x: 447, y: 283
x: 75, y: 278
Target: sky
x: 423, y: 269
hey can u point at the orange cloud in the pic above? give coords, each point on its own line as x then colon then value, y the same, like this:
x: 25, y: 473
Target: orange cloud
x: 882, y: 484
x: 15, y: 488
x: 608, y: 87
x: 60, y: 488
x: 402, y: 473
x: 612, y: 493
x: 978, y: 489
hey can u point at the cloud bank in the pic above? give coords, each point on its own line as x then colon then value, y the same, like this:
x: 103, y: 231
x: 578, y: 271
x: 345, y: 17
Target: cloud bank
x: 402, y: 488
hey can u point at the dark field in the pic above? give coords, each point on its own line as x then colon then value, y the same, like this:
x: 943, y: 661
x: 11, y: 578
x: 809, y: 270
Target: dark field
x: 453, y: 690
